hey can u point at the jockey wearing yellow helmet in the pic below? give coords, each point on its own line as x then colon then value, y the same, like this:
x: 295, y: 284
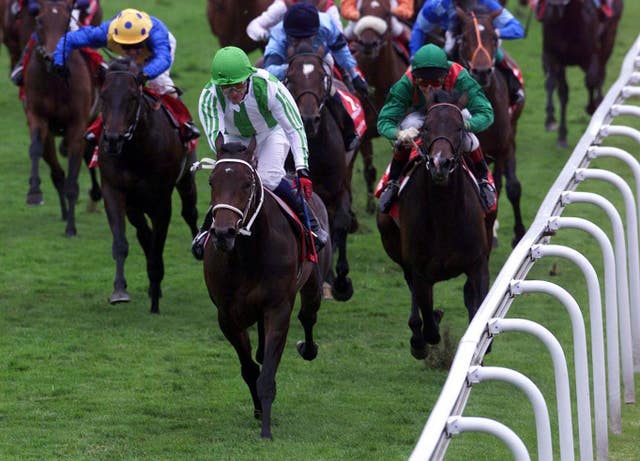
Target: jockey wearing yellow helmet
x: 135, y: 34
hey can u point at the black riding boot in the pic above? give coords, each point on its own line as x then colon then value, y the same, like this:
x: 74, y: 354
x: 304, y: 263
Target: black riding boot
x: 481, y: 171
x: 516, y: 92
x: 390, y: 192
x: 298, y: 205
x: 197, y: 246
x: 190, y: 131
x: 345, y: 122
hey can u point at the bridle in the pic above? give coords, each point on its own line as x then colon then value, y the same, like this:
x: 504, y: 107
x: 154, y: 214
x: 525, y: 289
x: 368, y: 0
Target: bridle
x: 249, y: 213
x: 40, y: 45
x: 480, y: 48
x: 326, y: 80
x: 128, y: 134
x: 455, y: 148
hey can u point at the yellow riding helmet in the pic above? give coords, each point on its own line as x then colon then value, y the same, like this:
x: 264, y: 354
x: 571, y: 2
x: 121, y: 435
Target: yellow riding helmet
x: 130, y: 27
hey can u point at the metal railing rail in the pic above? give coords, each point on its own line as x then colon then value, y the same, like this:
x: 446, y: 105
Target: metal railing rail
x: 621, y: 275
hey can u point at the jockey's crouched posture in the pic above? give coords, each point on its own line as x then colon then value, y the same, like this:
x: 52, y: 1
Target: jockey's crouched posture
x: 302, y: 22
x: 147, y: 41
x: 241, y: 101
x: 430, y: 71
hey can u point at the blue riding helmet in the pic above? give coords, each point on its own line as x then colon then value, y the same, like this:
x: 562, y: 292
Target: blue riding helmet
x: 301, y: 20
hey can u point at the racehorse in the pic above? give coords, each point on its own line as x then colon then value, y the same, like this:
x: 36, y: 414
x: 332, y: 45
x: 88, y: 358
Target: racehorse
x: 254, y: 267
x: 442, y: 231
x: 57, y: 104
x: 574, y: 35
x: 229, y: 19
x: 141, y: 160
x: 374, y: 49
x: 310, y: 82
x: 477, y: 49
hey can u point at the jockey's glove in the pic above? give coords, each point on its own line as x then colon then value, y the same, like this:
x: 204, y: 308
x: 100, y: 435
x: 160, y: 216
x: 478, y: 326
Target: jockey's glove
x: 407, y: 135
x: 304, y: 180
x: 141, y: 78
x: 62, y: 71
x: 360, y: 84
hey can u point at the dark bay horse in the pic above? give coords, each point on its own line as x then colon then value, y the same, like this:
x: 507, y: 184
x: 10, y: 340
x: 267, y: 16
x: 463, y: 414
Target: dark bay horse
x: 477, y: 49
x: 310, y: 82
x: 55, y: 105
x: 253, y: 269
x: 229, y: 19
x: 443, y: 231
x: 141, y: 160
x: 574, y: 35
x: 374, y: 49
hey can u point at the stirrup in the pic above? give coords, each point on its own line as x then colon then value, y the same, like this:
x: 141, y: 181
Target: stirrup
x: 320, y: 238
x: 388, y: 196
x: 17, y: 75
x: 488, y: 193
x: 197, y: 246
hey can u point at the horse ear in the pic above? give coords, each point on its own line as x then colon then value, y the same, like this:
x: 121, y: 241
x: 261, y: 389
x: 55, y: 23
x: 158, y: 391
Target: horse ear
x: 219, y: 142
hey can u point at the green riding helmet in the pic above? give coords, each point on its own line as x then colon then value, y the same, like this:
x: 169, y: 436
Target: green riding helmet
x: 230, y: 65
x: 430, y: 62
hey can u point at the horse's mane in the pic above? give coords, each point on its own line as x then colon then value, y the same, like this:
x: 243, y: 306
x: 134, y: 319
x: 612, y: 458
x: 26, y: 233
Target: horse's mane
x: 444, y: 96
x: 123, y: 63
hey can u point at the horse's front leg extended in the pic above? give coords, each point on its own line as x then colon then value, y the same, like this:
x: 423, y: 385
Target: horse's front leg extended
x: 550, y: 123
x: 563, y: 96
x: 477, y: 286
x: 250, y: 370
x: 514, y: 192
x: 114, y: 204
x: 423, y: 325
x: 71, y: 188
x: 369, y: 172
x: 342, y: 288
x: 276, y: 328
x: 36, y: 152
x: 310, y: 299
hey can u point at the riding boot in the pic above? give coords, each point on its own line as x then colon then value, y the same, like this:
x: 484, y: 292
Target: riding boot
x: 485, y: 179
x: 197, y: 246
x: 350, y: 136
x: 390, y: 192
x: 299, y: 206
x: 516, y: 92
x: 189, y: 131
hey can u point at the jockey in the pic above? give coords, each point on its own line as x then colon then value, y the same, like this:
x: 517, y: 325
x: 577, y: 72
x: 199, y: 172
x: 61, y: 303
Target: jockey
x: 241, y: 101
x: 147, y: 41
x: 302, y: 21
x: 442, y: 13
x: 402, y: 10
x: 259, y: 28
x: 84, y: 8
x: 430, y: 71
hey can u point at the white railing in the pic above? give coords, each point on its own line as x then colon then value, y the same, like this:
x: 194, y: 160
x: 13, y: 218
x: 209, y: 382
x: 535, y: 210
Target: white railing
x: 621, y: 277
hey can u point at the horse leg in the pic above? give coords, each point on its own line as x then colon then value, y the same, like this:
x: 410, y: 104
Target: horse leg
x: 114, y: 204
x: 593, y: 80
x: 310, y: 299
x: 563, y: 96
x: 342, y: 288
x: 95, y: 193
x: 514, y: 192
x: 260, y: 349
x: 57, y: 175
x: 76, y: 146
x: 249, y: 370
x: 36, y: 152
x: 276, y: 328
x: 550, y: 123
x: 422, y: 322
x: 370, y: 173
x: 188, y: 196
x: 154, y: 240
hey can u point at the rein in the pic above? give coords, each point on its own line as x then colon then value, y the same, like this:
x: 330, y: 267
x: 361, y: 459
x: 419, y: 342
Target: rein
x: 328, y: 81
x: 480, y: 48
x: 424, y: 153
x: 256, y: 196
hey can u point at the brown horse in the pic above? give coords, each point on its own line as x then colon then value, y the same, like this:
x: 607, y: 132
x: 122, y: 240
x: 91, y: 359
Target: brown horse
x: 443, y: 230
x: 374, y: 49
x: 229, y: 19
x: 477, y: 49
x: 141, y: 159
x: 57, y: 104
x: 574, y: 35
x: 311, y: 84
x: 253, y: 268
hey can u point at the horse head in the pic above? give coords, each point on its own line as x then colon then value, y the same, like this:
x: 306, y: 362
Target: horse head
x: 478, y: 44
x: 236, y: 192
x: 121, y: 98
x: 442, y: 135
x: 554, y: 10
x: 52, y: 22
x: 373, y: 28
x: 309, y: 80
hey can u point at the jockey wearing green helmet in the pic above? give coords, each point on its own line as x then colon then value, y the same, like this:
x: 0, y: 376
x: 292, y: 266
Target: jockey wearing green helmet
x: 430, y: 71
x: 242, y: 102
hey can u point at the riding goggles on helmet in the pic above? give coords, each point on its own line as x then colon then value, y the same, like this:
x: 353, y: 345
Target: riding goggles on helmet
x: 235, y: 88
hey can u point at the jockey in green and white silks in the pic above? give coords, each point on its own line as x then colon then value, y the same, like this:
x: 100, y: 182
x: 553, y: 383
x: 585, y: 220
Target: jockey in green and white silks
x: 241, y: 101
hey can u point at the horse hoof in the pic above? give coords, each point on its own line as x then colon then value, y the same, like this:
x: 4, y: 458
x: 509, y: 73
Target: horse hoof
x: 419, y: 353
x: 305, y: 352
x: 562, y: 143
x: 70, y: 232
x: 257, y: 414
x: 35, y: 199
x: 326, y: 291
x: 266, y: 436
x: 551, y: 126
x: 119, y: 296
x: 342, y: 291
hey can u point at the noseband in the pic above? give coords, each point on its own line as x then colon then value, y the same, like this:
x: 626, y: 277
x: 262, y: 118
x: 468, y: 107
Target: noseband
x: 480, y: 48
x: 255, y: 200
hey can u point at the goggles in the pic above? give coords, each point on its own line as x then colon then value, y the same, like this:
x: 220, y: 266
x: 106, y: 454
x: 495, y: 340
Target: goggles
x: 235, y: 88
x: 135, y: 46
x: 429, y: 83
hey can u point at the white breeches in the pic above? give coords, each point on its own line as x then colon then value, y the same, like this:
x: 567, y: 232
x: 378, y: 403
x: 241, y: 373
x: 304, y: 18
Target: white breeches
x: 163, y: 83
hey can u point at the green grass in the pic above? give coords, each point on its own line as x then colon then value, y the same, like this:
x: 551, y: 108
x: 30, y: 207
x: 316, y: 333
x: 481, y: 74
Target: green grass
x: 83, y: 380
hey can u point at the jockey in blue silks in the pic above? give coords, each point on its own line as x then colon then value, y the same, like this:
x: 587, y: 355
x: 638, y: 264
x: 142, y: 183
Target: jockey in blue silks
x: 442, y: 14
x: 303, y: 21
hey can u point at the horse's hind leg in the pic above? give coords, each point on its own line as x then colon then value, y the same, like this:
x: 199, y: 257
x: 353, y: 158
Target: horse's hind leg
x: 593, y: 80
x: 188, y: 195
x: 71, y: 186
x: 514, y: 192
x: 550, y: 123
x: 342, y: 288
x: 422, y: 321
x: 310, y: 299
x: 370, y: 173
x: 563, y: 96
